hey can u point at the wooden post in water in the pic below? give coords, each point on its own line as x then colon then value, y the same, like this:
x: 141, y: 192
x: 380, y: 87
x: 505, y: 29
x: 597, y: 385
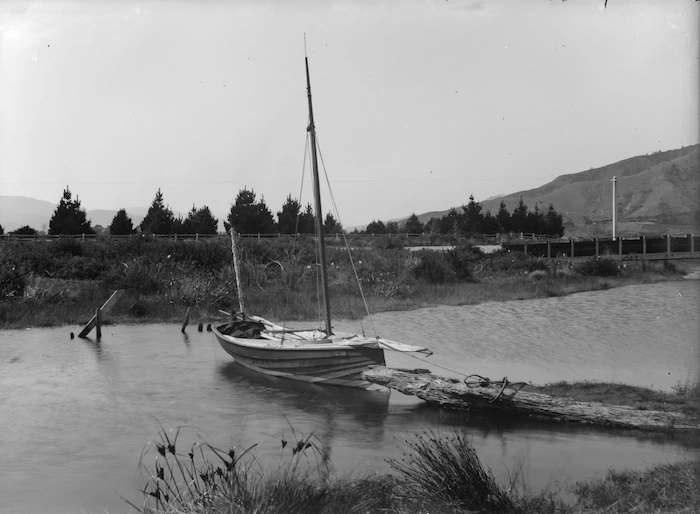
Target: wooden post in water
x: 668, y: 245
x: 597, y: 248
x: 187, y: 320
x: 549, y: 249
x: 98, y: 323
x: 692, y: 245
x: 644, y: 247
x: 103, y: 310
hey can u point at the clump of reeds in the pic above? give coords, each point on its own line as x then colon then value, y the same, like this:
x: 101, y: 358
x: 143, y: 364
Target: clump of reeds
x: 203, y: 478
x: 444, y: 473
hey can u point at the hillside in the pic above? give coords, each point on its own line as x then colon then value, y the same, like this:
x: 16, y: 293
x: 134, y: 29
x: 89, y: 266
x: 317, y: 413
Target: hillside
x: 656, y: 194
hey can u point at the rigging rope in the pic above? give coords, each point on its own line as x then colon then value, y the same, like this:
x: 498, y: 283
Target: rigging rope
x: 345, y: 240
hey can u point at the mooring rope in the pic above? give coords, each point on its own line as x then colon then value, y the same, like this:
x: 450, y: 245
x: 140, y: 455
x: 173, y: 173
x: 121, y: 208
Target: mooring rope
x: 487, y: 382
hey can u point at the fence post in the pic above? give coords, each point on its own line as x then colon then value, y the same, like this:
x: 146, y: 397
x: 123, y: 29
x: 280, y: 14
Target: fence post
x: 83, y: 238
x: 668, y: 245
x: 525, y: 248
x: 619, y: 248
x: 196, y: 236
x: 175, y: 236
x: 597, y: 248
x: 644, y: 247
x: 549, y: 249
x: 571, y: 242
x: 692, y: 245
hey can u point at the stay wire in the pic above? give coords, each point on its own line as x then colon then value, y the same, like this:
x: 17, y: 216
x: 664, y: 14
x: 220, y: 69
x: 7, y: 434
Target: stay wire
x: 345, y: 239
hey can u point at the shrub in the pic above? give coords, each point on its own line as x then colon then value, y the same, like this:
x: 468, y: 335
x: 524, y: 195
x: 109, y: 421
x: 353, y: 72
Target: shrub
x: 598, y: 267
x: 461, y: 258
x: 434, y: 267
x: 12, y: 280
x: 513, y: 262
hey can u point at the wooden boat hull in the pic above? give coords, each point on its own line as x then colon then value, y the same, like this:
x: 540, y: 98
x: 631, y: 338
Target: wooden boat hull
x: 334, y: 364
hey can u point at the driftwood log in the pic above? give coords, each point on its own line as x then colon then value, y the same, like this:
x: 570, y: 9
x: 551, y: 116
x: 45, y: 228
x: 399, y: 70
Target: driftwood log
x: 455, y: 395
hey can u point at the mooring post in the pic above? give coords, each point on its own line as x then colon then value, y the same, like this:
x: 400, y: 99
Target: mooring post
x: 187, y: 320
x: 98, y: 323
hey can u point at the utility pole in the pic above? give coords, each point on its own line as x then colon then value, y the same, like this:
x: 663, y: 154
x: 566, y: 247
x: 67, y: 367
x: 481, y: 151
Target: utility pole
x: 614, y: 208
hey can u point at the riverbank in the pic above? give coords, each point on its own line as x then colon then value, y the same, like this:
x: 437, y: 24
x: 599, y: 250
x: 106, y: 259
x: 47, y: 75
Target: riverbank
x: 437, y: 473
x: 162, y: 279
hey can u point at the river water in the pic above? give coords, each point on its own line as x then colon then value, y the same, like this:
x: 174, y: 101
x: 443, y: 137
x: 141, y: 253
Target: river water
x: 75, y: 414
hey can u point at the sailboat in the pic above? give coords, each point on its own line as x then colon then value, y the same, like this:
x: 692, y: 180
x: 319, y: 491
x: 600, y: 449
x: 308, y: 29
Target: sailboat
x: 320, y: 355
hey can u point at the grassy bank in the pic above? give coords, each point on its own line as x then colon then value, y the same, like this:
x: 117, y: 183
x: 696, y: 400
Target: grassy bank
x: 684, y: 398
x: 436, y: 473
x: 63, y: 281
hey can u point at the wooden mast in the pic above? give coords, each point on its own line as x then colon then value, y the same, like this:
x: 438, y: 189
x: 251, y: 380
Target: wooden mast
x: 317, y: 201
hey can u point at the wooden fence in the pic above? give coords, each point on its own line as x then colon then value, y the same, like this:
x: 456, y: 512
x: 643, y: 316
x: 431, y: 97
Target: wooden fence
x: 640, y: 247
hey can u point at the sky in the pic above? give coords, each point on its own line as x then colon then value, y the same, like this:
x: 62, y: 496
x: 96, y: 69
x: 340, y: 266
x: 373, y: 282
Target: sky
x: 418, y: 103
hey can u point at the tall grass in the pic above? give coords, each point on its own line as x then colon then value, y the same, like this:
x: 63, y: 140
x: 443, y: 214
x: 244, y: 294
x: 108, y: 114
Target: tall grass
x: 445, y: 474
x: 203, y: 478
x: 162, y: 278
x: 436, y: 474
x: 664, y: 488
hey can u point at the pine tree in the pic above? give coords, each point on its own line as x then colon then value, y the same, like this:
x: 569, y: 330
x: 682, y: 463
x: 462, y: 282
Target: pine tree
x: 503, y: 218
x: 307, y: 221
x: 248, y: 216
x: 413, y: 225
x: 376, y: 227
x: 519, y: 218
x: 553, y: 223
x: 471, y: 219
x: 287, y: 218
x: 69, y: 218
x: 200, y: 221
x: 331, y: 225
x: 121, y: 225
x: 159, y: 219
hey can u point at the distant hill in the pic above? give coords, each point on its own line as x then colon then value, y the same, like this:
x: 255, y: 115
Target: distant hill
x: 656, y: 194
x: 17, y: 211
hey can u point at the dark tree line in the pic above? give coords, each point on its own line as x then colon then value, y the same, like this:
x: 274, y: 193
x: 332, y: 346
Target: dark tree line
x: 250, y: 215
x: 471, y: 220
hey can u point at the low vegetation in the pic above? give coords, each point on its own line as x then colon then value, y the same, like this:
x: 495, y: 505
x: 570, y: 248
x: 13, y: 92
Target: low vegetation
x: 684, y: 398
x: 53, y: 282
x: 439, y: 472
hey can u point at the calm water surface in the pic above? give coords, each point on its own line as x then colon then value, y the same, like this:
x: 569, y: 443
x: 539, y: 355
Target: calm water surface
x: 75, y: 414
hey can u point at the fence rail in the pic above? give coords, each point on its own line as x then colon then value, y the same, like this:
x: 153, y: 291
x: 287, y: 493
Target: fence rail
x: 670, y: 246
x: 640, y: 247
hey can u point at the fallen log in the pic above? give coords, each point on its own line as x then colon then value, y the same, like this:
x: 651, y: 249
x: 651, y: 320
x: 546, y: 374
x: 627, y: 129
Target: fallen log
x: 455, y: 395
